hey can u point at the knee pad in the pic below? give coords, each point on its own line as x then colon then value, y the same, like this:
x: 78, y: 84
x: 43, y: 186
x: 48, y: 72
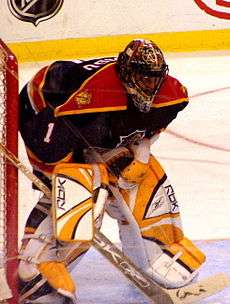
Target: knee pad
x: 136, y: 171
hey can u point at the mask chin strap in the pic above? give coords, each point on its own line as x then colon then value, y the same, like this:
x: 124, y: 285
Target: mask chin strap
x: 141, y: 100
x: 141, y: 103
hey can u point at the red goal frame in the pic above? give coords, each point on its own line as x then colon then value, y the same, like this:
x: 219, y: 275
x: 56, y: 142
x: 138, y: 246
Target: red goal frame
x: 9, y: 137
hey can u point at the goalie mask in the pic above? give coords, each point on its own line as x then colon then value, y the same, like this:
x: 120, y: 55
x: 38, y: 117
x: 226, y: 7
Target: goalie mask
x: 142, y: 69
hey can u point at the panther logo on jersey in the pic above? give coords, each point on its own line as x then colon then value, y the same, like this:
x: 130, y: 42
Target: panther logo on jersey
x: 132, y: 138
x: 34, y: 11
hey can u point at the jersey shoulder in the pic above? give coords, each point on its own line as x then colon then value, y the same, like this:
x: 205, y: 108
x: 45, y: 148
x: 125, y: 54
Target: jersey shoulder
x: 54, y: 83
x: 101, y: 92
x: 172, y: 92
x: 75, y: 87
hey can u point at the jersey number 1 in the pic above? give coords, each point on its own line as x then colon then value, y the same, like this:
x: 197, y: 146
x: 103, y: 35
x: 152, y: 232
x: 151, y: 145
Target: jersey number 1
x: 49, y: 132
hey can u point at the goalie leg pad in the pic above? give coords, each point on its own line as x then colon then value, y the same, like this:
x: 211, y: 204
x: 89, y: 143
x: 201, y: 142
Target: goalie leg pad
x: 41, y: 247
x: 171, y: 259
x: 42, y: 256
x: 58, y: 276
x: 39, y: 291
x: 177, y: 265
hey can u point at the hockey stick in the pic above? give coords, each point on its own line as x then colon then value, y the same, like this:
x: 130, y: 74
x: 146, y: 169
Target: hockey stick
x: 183, y: 295
x: 152, y: 290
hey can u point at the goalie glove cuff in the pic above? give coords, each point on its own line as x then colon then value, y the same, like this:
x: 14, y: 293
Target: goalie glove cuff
x: 117, y: 159
x: 135, y: 172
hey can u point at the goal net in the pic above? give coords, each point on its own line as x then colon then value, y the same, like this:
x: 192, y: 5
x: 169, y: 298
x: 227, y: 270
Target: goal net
x: 8, y: 176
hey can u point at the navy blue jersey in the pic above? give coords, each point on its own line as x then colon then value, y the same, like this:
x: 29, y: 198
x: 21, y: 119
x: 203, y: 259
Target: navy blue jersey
x: 70, y: 106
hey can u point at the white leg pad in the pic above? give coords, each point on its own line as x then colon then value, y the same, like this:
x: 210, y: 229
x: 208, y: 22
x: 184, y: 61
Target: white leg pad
x: 162, y: 268
x: 133, y: 246
x: 148, y: 255
x: 169, y: 273
x: 41, y: 247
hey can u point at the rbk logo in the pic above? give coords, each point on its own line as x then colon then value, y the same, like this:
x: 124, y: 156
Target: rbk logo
x: 218, y: 8
x: 34, y: 11
x: 60, y: 199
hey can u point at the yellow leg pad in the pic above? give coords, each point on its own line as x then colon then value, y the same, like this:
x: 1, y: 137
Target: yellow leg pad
x: 156, y: 168
x: 193, y: 250
x: 57, y: 276
x: 166, y: 234
x: 191, y: 256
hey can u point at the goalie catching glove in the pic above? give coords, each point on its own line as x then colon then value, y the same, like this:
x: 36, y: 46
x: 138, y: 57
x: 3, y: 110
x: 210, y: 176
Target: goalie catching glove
x: 117, y: 159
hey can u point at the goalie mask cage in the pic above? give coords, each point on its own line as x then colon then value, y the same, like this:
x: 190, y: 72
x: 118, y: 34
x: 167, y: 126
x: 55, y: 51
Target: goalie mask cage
x: 8, y: 176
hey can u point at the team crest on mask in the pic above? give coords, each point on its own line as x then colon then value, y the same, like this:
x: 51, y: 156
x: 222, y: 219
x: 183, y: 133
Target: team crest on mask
x: 82, y: 98
x: 34, y: 11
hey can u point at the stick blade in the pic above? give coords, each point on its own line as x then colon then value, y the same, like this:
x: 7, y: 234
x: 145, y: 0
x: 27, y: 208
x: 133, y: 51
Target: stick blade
x: 200, y: 290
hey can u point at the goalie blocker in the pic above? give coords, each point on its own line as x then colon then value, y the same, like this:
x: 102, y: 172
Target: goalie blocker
x: 75, y: 187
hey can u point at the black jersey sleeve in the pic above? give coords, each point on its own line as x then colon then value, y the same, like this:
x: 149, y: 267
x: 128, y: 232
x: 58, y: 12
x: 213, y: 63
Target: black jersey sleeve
x: 62, y: 79
x: 160, y: 118
x: 127, y: 126
x: 47, y: 137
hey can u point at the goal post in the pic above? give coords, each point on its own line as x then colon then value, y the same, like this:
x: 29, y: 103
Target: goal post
x: 8, y: 175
